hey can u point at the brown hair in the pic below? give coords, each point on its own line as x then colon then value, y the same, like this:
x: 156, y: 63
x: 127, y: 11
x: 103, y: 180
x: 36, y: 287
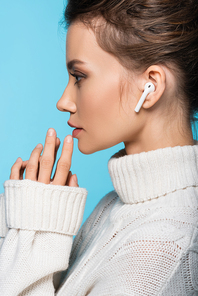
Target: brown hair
x: 141, y: 33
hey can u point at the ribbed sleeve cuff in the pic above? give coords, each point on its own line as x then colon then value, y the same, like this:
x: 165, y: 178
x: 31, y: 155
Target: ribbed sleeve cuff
x: 31, y: 205
x: 3, y: 226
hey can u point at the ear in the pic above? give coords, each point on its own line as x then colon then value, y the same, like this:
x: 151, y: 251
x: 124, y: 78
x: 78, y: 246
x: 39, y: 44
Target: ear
x: 155, y: 74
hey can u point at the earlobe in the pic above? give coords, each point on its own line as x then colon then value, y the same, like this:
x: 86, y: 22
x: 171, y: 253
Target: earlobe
x: 157, y: 76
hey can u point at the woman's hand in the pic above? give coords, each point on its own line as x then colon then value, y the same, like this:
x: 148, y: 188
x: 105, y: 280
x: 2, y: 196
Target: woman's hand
x: 39, y: 168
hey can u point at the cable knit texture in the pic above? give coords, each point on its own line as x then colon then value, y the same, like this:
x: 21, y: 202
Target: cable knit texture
x: 141, y: 239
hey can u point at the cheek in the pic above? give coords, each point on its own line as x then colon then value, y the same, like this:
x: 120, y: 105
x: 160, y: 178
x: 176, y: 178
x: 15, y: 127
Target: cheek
x: 101, y: 101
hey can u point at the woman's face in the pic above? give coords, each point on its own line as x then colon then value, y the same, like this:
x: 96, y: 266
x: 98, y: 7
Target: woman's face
x: 93, y: 96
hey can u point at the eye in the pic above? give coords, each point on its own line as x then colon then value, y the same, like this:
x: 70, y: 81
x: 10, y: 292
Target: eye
x: 76, y: 76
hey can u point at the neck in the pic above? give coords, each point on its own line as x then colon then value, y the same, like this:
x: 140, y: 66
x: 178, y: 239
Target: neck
x: 156, y: 135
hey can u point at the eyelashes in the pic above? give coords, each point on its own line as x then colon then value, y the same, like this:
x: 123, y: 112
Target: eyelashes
x: 77, y: 76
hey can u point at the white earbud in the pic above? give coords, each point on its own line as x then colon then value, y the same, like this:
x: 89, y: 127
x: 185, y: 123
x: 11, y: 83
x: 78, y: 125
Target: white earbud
x: 149, y: 87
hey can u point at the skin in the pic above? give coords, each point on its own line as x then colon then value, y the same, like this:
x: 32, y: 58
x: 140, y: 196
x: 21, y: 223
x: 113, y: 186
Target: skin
x: 93, y: 99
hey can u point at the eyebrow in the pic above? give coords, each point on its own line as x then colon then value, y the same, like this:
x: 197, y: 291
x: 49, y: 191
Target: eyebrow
x: 71, y: 63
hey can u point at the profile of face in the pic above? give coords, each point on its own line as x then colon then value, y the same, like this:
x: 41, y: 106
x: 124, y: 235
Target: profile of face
x: 93, y: 94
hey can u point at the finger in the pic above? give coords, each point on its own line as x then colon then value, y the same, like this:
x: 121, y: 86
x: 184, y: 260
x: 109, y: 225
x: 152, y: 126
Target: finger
x: 64, y: 162
x: 23, y: 167
x: 57, y: 145
x: 73, y: 181
x: 32, y: 164
x: 56, y: 148
x: 55, y: 155
x: 15, y: 170
x: 47, y: 159
x: 68, y: 178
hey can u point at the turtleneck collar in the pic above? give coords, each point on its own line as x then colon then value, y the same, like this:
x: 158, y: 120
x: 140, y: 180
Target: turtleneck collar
x: 148, y: 175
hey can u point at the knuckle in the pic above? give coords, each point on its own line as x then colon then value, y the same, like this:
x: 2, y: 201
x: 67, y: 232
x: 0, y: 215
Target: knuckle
x: 67, y: 148
x: 46, y: 163
x: 63, y: 166
x: 14, y: 172
x: 50, y: 141
x: 31, y: 167
x: 13, y: 176
x: 14, y: 168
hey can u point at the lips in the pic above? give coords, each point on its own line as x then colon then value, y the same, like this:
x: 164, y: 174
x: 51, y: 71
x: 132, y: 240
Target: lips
x: 71, y: 125
x: 76, y: 131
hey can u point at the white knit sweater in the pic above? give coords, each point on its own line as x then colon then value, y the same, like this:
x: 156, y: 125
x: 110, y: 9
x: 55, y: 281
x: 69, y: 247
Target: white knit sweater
x: 141, y: 239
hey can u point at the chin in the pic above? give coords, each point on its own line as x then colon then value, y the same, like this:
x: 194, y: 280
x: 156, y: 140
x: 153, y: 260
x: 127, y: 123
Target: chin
x: 87, y: 149
x: 90, y: 149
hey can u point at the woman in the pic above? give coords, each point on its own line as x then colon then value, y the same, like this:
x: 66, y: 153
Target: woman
x: 142, y: 238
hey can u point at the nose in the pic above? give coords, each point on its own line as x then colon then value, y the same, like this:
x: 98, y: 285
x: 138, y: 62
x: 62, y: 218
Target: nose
x: 66, y: 103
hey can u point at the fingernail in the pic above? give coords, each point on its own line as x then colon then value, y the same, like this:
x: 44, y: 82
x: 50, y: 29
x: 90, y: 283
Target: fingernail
x: 51, y: 132
x: 18, y: 159
x: 68, y: 139
x: 39, y: 146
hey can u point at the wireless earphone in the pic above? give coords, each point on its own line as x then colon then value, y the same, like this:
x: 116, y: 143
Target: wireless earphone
x: 149, y: 87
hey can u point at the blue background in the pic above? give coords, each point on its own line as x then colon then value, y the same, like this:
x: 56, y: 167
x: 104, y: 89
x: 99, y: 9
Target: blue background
x: 33, y: 76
